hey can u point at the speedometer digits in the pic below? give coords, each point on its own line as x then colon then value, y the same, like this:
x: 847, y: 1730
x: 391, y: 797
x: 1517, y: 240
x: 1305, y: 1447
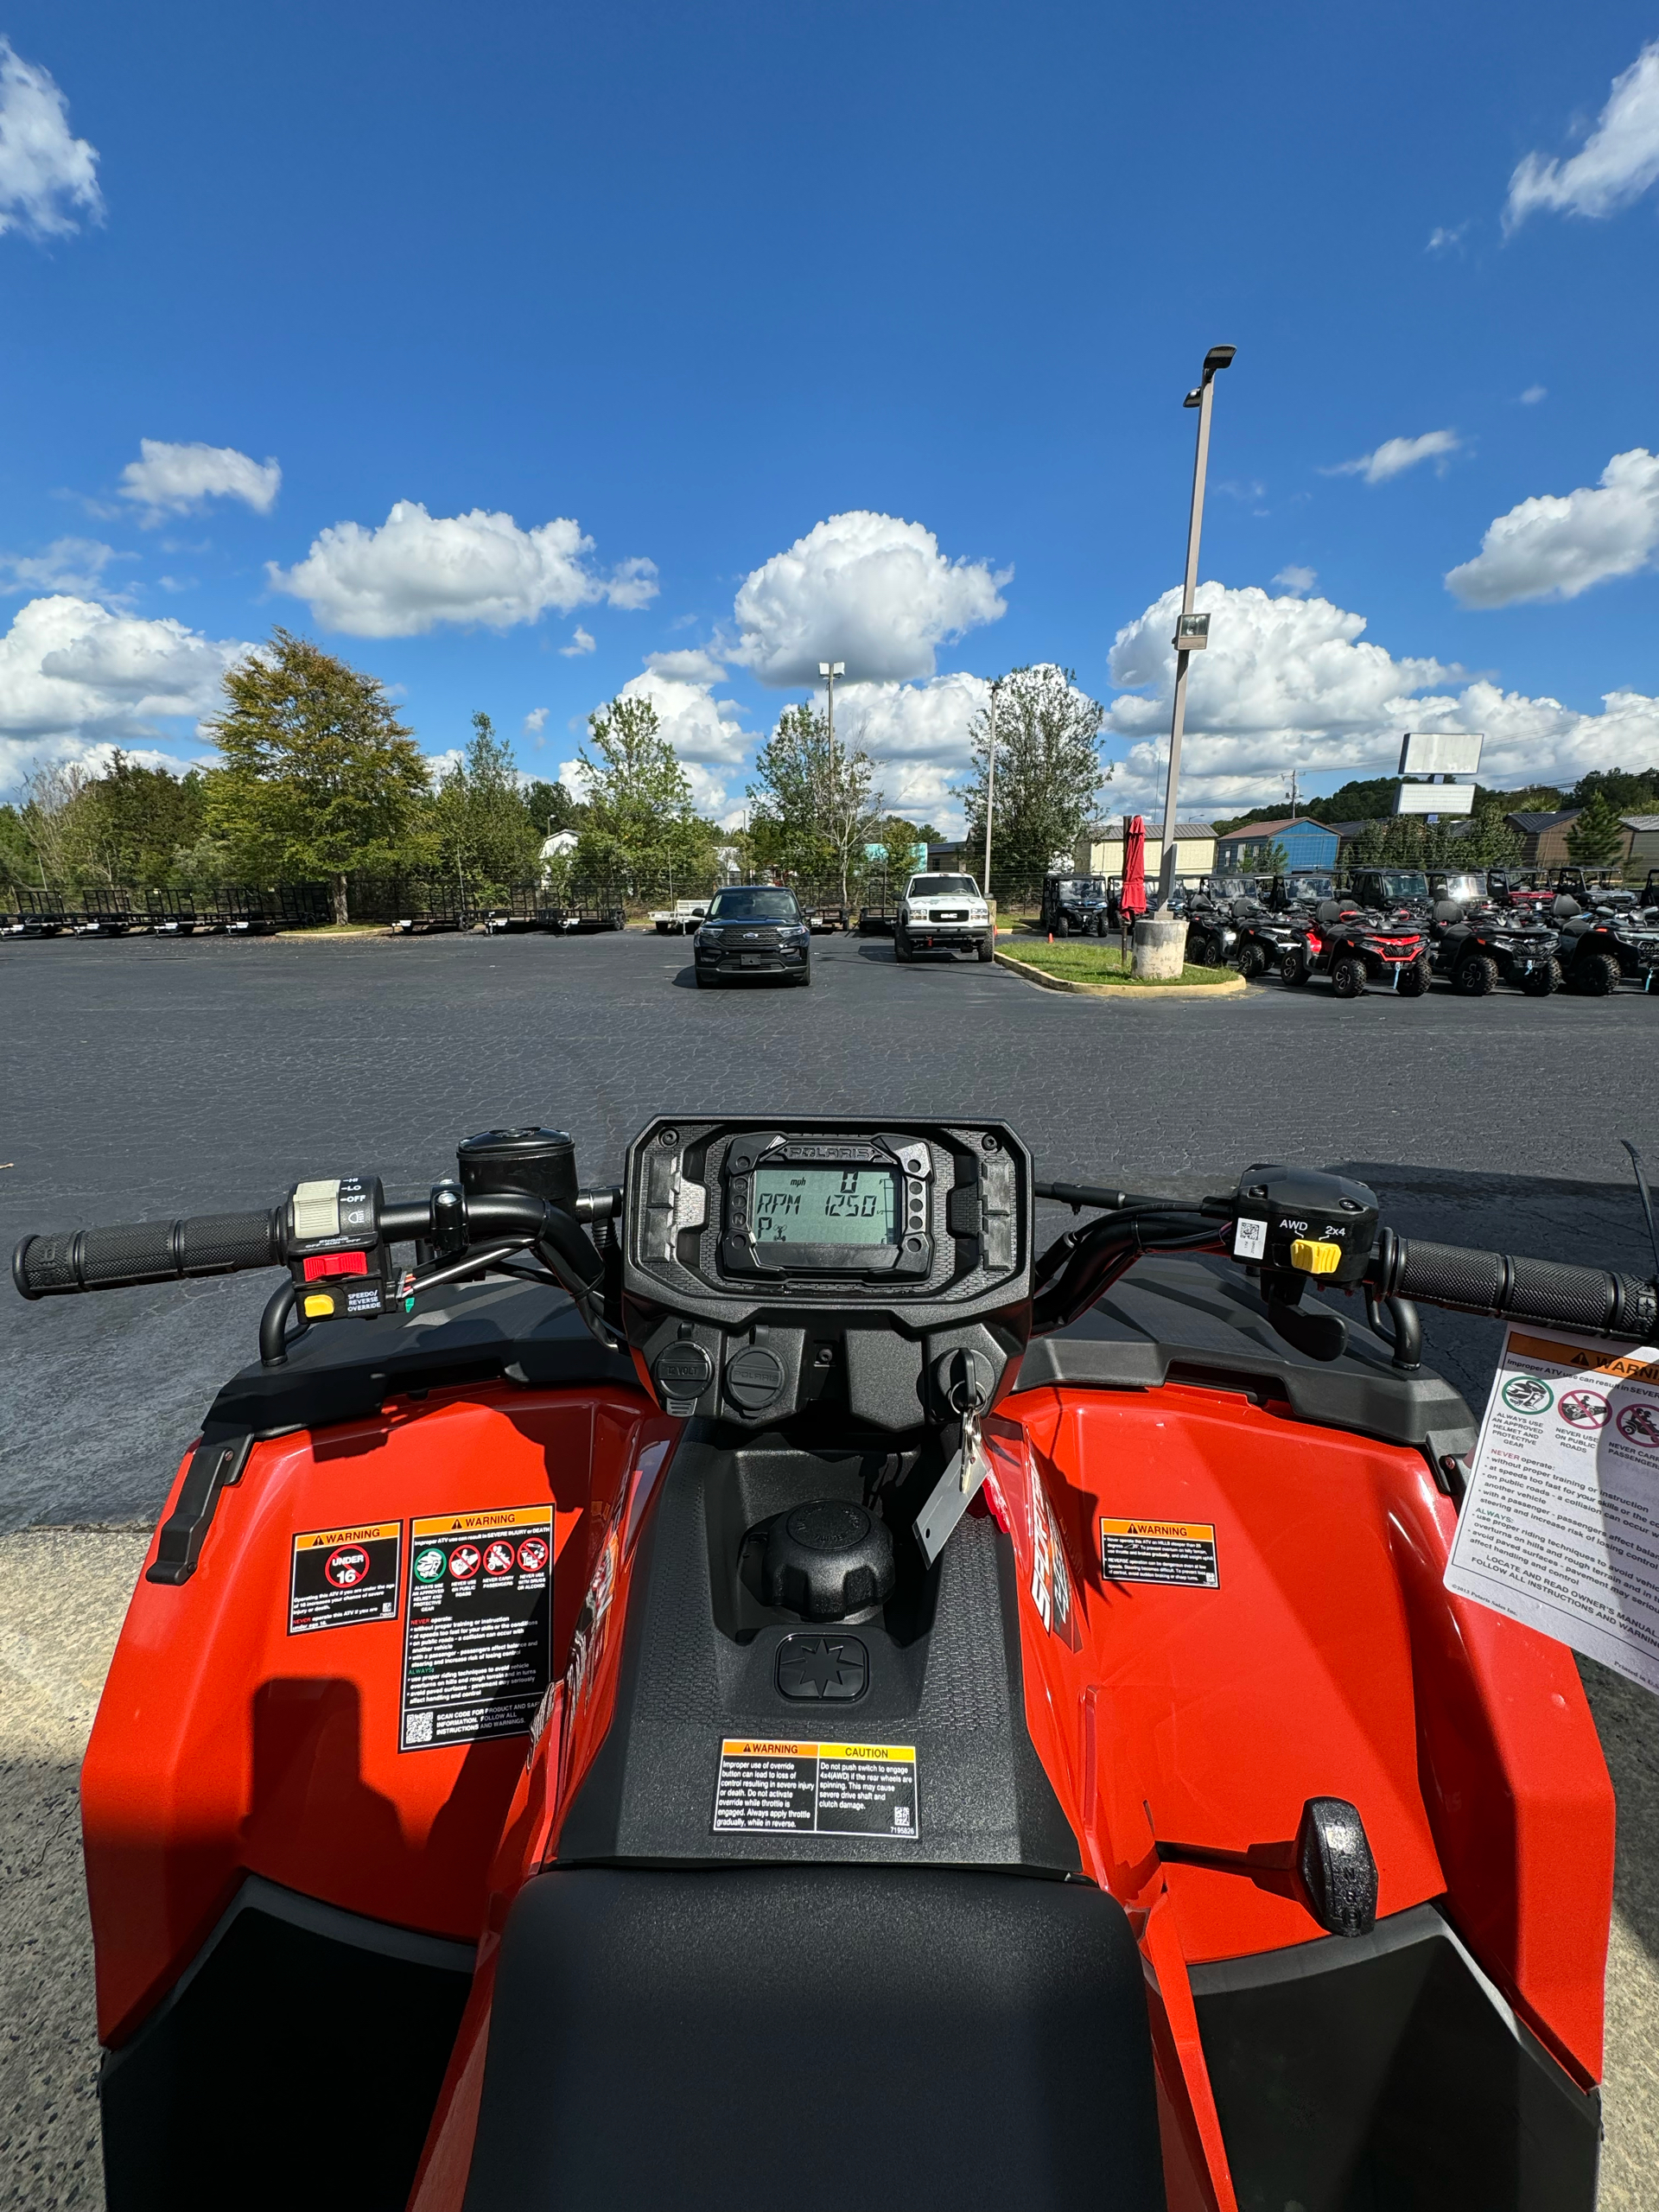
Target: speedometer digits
x: 793, y: 1205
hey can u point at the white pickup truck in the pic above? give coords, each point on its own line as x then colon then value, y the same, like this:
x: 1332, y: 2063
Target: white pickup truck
x: 943, y: 913
x: 686, y: 915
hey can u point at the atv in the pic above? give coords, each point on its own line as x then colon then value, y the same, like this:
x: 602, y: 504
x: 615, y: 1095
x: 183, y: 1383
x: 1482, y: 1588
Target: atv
x: 1231, y: 928
x: 1075, y: 905
x: 460, y: 1827
x: 1475, y: 951
x: 1353, y: 947
x: 1597, y: 950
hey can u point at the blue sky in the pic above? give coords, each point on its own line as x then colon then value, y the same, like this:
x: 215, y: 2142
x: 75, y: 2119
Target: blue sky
x: 856, y: 330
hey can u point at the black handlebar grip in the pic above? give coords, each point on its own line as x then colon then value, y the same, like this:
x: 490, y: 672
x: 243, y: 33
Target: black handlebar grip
x: 146, y: 1251
x: 1591, y: 1298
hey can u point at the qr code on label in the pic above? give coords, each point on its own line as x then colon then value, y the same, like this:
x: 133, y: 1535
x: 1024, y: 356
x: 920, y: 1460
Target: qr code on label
x: 417, y: 1728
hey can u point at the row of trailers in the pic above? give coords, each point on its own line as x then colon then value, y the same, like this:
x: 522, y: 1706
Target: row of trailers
x: 527, y: 910
x: 230, y: 910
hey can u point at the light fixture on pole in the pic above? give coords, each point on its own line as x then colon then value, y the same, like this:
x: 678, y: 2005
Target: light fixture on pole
x: 1191, y: 631
x: 990, y: 786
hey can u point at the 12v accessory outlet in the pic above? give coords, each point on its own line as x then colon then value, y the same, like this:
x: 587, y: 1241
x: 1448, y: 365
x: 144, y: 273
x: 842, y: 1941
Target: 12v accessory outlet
x: 828, y: 1559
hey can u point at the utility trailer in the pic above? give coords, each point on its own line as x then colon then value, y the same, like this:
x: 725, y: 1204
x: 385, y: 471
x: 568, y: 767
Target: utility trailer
x: 682, y: 918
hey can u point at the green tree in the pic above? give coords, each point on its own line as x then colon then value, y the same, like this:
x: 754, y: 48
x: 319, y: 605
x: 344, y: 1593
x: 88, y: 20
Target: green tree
x: 136, y: 819
x: 1049, y: 772
x: 1596, y: 839
x: 484, y: 830
x: 320, y: 778
x: 1624, y: 793
x: 904, y: 845
x: 640, y: 818
x: 815, y: 806
x: 551, y: 807
x: 1408, y: 841
x: 17, y: 862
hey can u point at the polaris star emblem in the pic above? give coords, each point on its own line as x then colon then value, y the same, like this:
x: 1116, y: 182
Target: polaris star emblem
x: 822, y: 1667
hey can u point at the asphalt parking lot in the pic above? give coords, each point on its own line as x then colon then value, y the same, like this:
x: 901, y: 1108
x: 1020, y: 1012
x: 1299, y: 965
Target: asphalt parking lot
x: 140, y: 1078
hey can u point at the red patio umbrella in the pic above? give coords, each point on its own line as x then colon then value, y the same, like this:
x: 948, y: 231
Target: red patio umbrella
x: 1133, y: 898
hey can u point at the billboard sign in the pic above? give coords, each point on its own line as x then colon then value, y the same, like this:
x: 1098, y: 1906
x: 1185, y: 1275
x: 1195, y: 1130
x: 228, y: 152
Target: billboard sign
x: 1438, y: 752
x: 1453, y: 800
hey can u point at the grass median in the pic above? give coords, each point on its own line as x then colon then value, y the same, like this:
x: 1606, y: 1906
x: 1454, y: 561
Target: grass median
x: 1085, y: 961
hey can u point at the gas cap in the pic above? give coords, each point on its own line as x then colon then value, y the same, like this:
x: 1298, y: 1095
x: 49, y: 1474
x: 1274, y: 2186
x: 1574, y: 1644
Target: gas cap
x: 828, y: 1559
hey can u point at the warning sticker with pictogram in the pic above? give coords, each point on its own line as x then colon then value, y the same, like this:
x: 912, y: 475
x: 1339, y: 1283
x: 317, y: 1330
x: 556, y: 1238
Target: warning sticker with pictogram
x: 771, y: 1786
x: 478, y: 1639
x: 342, y: 1576
x: 1178, y: 1552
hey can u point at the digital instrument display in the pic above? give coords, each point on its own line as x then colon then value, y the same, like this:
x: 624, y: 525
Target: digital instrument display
x: 825, y: 1206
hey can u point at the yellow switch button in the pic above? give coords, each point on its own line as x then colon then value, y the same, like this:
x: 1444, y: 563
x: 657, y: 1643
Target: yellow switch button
x: 1314, y: 1257
x: 319, y: 1305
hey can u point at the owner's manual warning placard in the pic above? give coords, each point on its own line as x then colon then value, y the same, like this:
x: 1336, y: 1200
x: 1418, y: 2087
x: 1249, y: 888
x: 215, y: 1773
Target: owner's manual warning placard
x: 771, y: 1786
x: 478, y: 1632
x: 1560, y: 1526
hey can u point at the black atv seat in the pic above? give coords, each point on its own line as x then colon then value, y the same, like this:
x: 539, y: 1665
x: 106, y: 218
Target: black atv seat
x: 825, y: 2037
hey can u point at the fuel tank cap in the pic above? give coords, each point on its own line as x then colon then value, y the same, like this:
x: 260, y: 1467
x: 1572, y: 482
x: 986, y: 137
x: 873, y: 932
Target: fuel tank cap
x: 827, y: 1560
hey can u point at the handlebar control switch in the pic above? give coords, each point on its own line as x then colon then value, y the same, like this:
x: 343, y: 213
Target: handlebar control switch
x: 1293, y: 1218
x: 335, y: 1252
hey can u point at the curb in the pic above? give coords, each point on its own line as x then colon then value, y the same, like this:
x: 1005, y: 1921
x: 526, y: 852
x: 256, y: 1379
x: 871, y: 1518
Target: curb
x: 1154, y: 993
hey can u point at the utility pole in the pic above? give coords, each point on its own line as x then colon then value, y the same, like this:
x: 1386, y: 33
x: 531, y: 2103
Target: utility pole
x: 1191, y: 631
x: 830, y: 670
x: 990, y: 789
x: 1293, y: 795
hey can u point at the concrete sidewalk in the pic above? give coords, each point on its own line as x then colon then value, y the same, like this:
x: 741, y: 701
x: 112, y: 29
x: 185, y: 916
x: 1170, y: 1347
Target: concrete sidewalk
x: 63, y: 1592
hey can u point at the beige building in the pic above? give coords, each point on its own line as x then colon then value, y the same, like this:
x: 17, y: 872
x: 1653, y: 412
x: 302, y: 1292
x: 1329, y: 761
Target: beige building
x: 1100, y: 848
x: 1641, y: 842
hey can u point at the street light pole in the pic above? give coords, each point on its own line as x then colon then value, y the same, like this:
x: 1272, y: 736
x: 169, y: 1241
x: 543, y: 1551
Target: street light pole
x: 1191, y: 631
x: 830, y: 670
x: 990, y: 794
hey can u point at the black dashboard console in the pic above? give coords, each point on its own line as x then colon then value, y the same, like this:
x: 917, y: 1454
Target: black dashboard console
x: 769, y: 1266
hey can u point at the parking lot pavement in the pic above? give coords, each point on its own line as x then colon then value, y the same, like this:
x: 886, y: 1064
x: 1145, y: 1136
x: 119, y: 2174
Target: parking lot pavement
x: 141, y: 1079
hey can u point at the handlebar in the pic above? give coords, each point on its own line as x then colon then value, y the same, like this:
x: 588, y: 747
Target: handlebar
x: 1593, y: 1300
x: 1070, y: 1277
x: 146, y: 1251
x: 132, y: 1253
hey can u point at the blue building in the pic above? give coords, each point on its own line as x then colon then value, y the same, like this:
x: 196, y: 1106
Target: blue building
x: 1305, y: 843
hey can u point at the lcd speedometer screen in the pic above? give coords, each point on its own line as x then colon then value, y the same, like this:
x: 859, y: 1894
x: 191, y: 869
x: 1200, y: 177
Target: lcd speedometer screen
x: 824, y: 1206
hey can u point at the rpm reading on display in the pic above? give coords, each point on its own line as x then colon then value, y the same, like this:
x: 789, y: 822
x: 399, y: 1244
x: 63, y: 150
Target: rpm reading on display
x: 825, y: 1206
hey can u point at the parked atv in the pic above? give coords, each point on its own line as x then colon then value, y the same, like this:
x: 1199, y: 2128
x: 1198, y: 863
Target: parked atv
x: 1075, y: 905
x: 596, y: 1715
x: 1596, y: 950
x: 1354, y: 946
x: 1476, y: 950
x: 1238, y: 931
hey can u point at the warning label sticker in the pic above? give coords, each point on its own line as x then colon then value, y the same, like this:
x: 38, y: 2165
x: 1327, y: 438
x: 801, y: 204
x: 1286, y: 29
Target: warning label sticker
x: 341, y: 1576
x: 478, y: 1638
x: 1180, y: 1551
x: 773, y: 1787
x: 1559, y: 1529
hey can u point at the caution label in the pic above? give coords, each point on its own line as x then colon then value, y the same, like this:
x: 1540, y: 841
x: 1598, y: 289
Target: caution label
x: 1178, y: 1552
x: 774, y: 1787
x: 478, y: 1634
x: 342, y: 1576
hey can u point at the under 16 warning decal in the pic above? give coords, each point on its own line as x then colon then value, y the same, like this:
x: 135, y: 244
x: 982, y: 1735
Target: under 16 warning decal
x: 477, y: 1643
x: 341, y: 1576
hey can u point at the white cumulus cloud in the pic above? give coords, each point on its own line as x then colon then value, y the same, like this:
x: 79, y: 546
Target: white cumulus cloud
x: 1555, y: 548
x: 1295, y: 578
x: 1291, y: 682
x: 536, y: 722
x: 75, y: 565
x: 49, y: 178
x: 1615, y: 164
x: 581, y: 641
x: 865, y: 588
x: 75, y: 678
x: 418, y: 570
x: 1395, y: 456
x: 180, y: 479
